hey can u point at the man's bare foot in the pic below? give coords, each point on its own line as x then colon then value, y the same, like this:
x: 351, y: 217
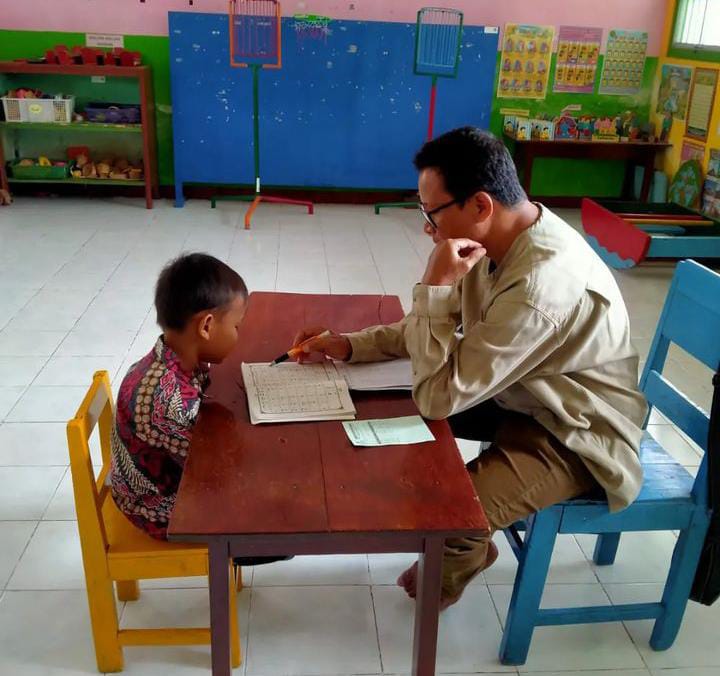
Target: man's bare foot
x: 408, y: 579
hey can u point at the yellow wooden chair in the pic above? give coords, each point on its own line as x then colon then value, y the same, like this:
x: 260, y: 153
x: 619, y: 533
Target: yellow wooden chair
x: 114, y: 550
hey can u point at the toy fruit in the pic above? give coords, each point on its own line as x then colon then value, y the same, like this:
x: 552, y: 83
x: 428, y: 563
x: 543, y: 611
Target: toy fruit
x: 89, y: 171
x: 26, y: 163
x: 44, y: 161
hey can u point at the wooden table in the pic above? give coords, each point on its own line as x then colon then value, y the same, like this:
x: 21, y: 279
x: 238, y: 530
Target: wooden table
x: 304, y: 489
x: 631, y: 152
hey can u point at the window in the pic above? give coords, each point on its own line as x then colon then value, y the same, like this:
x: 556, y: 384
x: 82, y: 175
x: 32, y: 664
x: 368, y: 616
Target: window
x: 697, y: 28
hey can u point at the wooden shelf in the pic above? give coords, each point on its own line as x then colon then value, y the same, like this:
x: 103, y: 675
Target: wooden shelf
x: 146, y: 130
x: 78, y: 181
x: 21, y: 68
x: 75, y: 126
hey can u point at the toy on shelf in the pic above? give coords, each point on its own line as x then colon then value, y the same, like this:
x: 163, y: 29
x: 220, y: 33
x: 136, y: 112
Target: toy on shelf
x: 630, y: 126
x: 116, y: 169
x: 61, y: 54
x: 566, y: 128
x: 666, y: 127
x: 523, y: 129
x: 542, y: 130
x: 585, y: 128
x: 510, y: 125
x: 624, y: 234
x: 606, y: 129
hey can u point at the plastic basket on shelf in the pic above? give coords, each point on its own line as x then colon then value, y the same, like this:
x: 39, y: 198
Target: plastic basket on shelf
x: 39, y: 110
x: 38, y: 172
x: 14, y: 111
x: 113, y: 113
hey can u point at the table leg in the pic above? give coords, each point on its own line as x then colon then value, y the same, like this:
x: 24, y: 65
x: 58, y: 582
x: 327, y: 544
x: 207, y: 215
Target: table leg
x: 647, y: 177
x: 218, y: 552
x: 427, y: 607
x: 527, y: 171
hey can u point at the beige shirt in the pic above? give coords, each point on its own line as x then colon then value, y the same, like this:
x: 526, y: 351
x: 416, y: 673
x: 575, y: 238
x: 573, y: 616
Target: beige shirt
x: 547, y: 334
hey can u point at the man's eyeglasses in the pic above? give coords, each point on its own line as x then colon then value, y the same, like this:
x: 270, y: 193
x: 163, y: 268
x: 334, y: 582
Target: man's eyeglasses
x: 428, y: 215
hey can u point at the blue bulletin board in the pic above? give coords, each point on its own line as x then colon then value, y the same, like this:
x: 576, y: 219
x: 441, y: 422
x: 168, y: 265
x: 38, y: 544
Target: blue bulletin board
x: 343, y: 112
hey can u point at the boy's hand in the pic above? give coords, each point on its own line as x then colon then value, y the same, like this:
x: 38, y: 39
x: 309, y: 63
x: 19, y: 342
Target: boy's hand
x: 333, y: 345
x: 451, y: 260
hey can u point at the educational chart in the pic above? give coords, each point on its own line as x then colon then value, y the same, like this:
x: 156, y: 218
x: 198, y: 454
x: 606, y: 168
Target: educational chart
x: 345, y: 110
x: 577, y: 59
x: 624, y: 62
x: 674, y: 90
x: 525, y: 61
x: 702, y: 96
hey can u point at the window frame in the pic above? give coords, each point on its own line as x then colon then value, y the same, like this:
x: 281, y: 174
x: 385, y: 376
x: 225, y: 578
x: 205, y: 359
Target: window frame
x: 689, y: 52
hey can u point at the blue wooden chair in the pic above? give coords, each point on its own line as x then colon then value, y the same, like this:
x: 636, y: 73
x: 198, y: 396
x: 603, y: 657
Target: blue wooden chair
x: 669, y: 500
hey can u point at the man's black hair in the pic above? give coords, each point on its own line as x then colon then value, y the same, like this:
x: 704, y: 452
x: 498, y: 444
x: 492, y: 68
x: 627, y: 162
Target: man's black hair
x: 470, y: 159
x: 193, y: 283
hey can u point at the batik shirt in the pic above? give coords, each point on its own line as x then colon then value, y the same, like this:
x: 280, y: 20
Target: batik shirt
x: 156, y: 410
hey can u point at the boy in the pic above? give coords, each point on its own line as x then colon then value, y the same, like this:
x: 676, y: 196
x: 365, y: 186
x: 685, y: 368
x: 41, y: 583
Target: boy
x: 200, y: 302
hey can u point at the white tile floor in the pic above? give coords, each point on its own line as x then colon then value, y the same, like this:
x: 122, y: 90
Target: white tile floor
x: 76, y: 281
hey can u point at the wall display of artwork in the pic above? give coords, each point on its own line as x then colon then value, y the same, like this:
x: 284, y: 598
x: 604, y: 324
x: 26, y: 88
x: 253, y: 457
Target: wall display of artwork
x: 692, y: 151
x: 624, y: 62
x: 674, y: 90
x: 525, y: 61
x: 578, y: 53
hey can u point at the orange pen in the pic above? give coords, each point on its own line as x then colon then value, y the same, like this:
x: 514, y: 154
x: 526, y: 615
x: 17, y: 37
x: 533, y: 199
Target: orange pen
x: 295, y: 351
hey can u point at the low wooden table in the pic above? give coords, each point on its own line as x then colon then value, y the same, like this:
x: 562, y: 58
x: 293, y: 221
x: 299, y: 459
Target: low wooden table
x: 252, y: 490
x: 631, y: 152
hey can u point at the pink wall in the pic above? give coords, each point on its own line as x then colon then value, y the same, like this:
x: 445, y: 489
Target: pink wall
x: 150, y: 17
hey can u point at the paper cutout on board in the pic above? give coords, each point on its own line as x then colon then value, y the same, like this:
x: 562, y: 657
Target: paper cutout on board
x: 624, y: 62
x: 525, y: 61
x: 577, y: 59
x: 674, y: 90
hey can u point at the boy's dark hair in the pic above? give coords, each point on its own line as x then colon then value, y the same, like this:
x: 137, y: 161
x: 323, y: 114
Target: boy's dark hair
x: 192, y: 283
x: 470, y: 159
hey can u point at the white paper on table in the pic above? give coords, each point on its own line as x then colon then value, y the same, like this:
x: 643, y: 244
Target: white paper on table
x: 409, y: 429
x: 384, y: 375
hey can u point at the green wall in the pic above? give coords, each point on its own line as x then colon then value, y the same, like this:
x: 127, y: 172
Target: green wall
x: 550, y: 177
x: 578, y: 177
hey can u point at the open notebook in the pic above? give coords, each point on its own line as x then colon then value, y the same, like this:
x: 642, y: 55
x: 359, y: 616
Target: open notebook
x: 296, y: 393
x: 291, y: 392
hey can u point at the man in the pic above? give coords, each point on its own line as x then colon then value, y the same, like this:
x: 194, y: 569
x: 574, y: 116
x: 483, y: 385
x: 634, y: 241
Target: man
x: 518, y: 335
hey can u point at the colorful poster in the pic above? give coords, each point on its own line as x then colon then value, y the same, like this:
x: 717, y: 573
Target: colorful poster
x: 624, y: 62
x: 702, y: 96
x: 674, y: 90
x: 692, y: 151
x: 525, y: 61
x: 577, y: 58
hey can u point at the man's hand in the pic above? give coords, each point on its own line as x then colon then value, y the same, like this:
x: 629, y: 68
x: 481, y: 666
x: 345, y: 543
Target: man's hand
x: 333, y: 345
x: 451, y: 260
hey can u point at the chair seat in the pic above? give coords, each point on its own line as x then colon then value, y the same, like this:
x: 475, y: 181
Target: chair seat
x: 664, y: 478
x: 128, y: 544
